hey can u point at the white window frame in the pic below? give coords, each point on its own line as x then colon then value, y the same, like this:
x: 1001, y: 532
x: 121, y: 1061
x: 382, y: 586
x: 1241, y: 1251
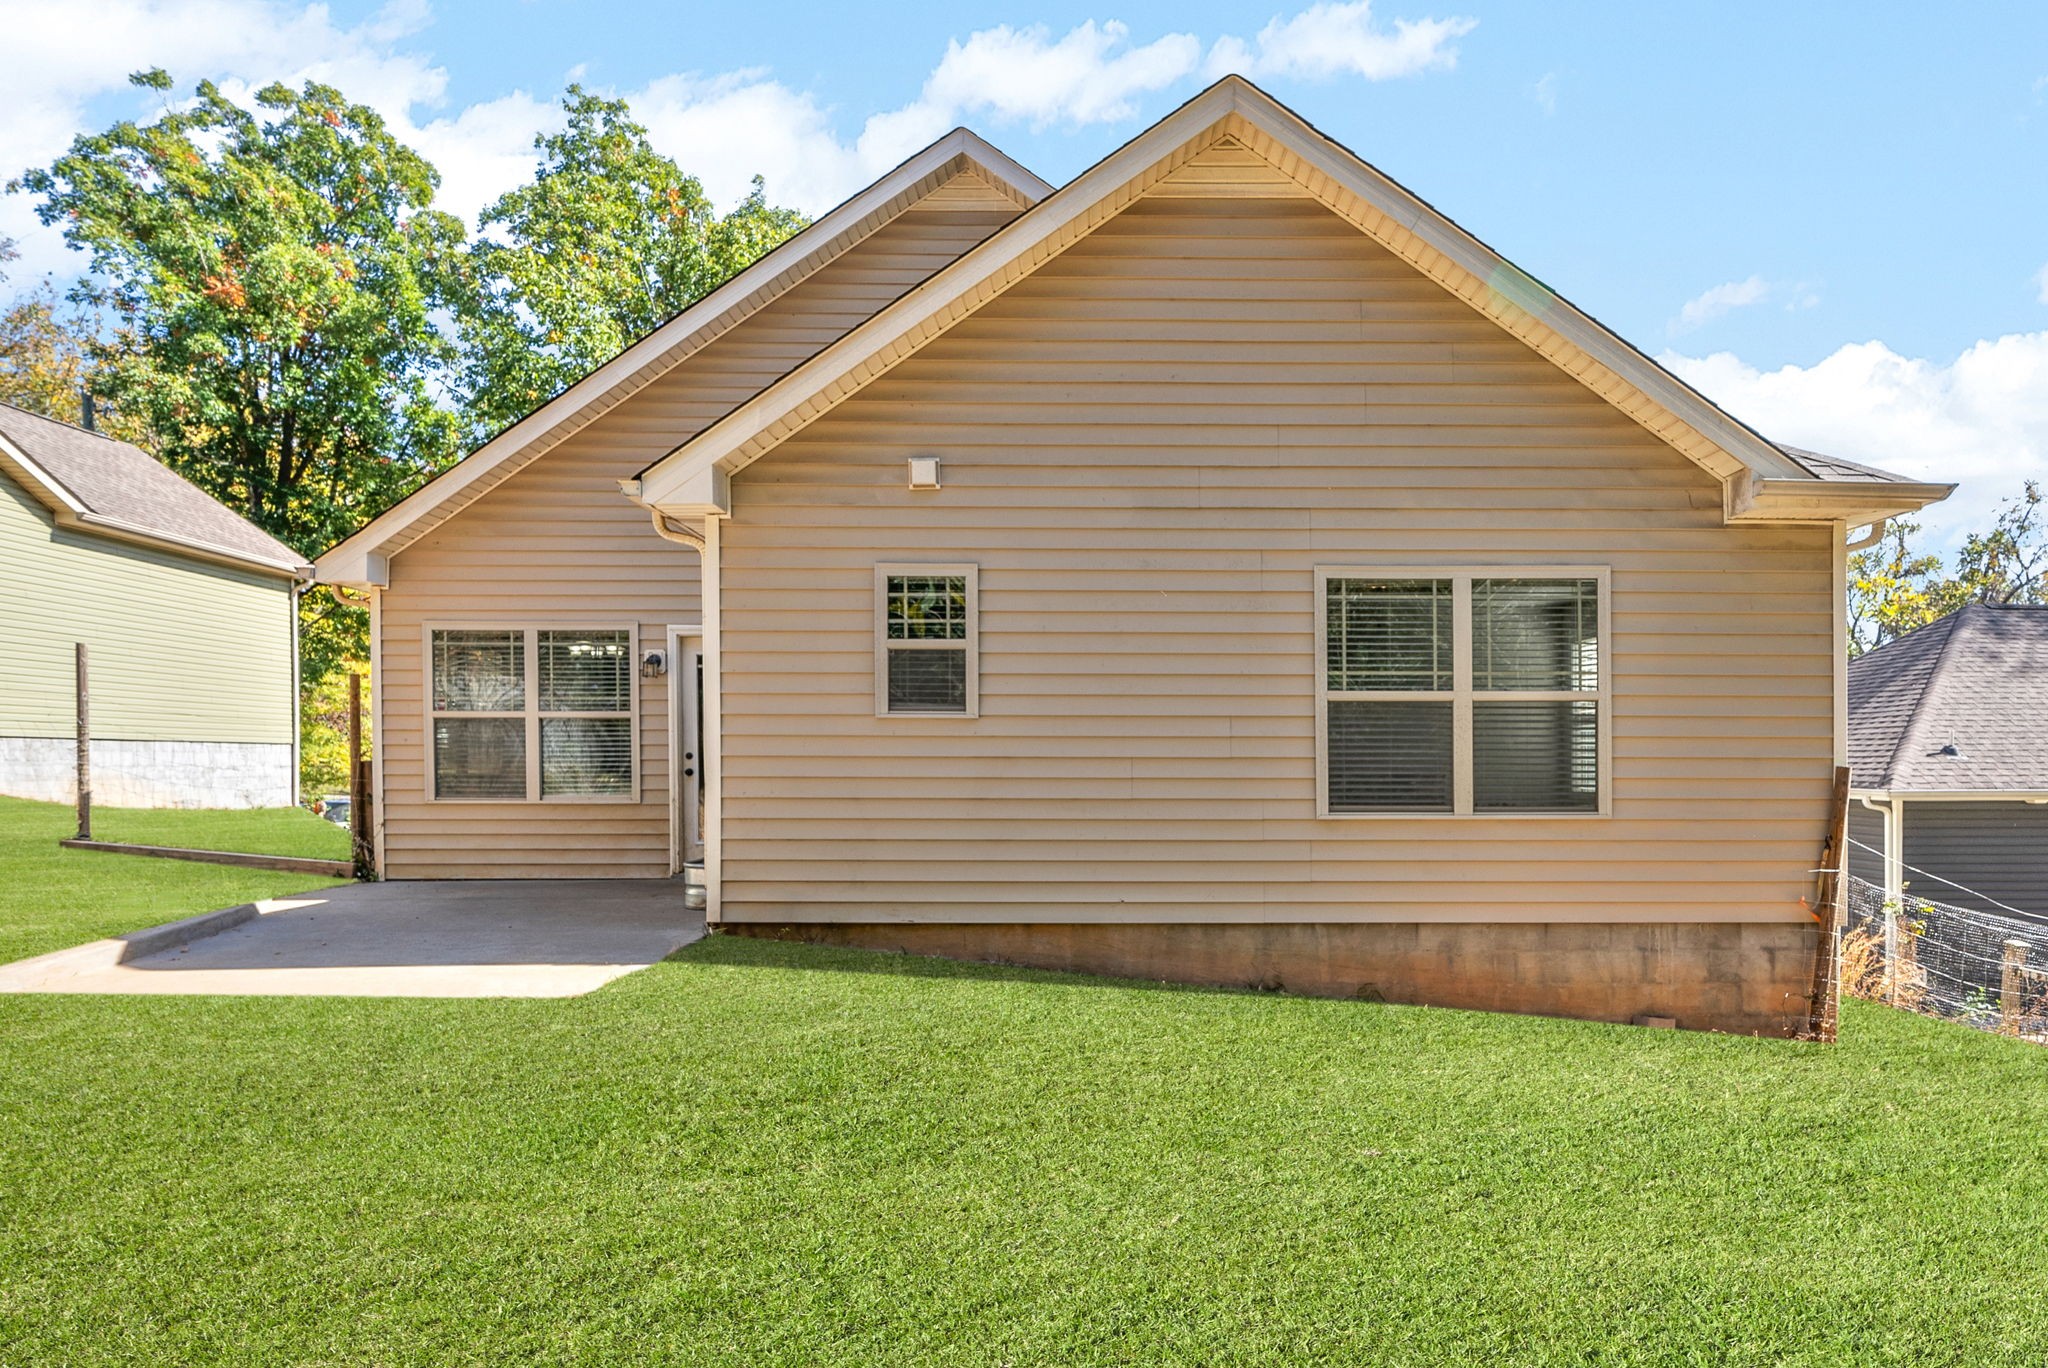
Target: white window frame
x: 1461, y: 695
x: 531, y: 713
x: 883, y: 645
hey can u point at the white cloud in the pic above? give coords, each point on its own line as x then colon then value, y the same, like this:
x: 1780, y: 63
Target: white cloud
x: 1980, y: 420
x: 1342, y: 39
x: 1546, y: 93
x: 1718, y: 302
x: 1087, y: 76
x: 723, y: 127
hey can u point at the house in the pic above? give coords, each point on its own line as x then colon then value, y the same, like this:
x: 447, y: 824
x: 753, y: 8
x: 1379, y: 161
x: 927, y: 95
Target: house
x: 1948, y: 744
x: 1223, y: 569
x: 188, y: 613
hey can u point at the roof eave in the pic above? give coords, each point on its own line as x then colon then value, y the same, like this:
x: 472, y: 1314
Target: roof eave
x: 1751, y: 499
x: 1523, y: 307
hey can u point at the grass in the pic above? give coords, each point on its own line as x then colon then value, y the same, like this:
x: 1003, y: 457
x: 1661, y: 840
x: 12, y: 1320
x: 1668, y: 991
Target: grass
x: 51, y: 898
x: 258, y: 831
x: 770, y: 1154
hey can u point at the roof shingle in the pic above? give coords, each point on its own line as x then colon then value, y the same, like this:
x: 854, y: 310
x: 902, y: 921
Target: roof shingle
x: 124, y: 483
x: 1974, y: 683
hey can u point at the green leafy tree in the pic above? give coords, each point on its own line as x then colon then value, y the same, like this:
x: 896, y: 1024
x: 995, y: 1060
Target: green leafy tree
x: 608, y: 241
x: 1895, y: 587
x: 270, y: 279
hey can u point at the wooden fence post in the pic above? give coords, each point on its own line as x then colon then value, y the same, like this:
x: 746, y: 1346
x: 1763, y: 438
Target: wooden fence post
x: 359, y: 815
x: 84, y: 749
x: 2012, y: 981
x: 1831, y: 877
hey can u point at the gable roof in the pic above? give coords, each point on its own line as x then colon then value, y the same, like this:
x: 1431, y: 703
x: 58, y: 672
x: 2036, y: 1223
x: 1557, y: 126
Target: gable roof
x: 1761, y: 481
x: 1977, y: 678
x: 89, y: 480
x: 960, y: 170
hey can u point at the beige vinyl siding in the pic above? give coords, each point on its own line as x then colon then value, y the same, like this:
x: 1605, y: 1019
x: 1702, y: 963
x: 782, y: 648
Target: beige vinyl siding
x: 558, y: 545
x: 1148, y: 447
x: 182, y: 649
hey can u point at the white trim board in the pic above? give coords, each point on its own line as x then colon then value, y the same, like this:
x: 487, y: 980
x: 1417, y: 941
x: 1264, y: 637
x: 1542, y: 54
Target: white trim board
x: 1233, y: 108
x: 354, y: 560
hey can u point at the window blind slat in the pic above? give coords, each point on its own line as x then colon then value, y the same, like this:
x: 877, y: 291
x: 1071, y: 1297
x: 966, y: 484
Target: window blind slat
x: 928, y: 681
x: 1535, y: 756
x: 585, y: 672
x: 1388, y: 634
x: 586, y: 757
x: 1535, y: 634
x: 1389, y: 757
x: 479, y: 671
x: 480, y: 757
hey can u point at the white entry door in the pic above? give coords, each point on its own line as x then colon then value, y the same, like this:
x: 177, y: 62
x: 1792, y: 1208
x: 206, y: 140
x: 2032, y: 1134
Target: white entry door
x: 686, y: 675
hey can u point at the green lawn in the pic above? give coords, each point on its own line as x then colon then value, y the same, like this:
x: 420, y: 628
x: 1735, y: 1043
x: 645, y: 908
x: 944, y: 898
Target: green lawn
x: 260, y: 831
x: 51, y: 898
x: 768, y: 1154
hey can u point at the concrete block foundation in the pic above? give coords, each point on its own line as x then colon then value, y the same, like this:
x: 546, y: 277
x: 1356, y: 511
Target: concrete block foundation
x: 161, y: 774
x: 1737, y: 977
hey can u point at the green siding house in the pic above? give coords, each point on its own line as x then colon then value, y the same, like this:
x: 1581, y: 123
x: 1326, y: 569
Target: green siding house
x: 188, y: 613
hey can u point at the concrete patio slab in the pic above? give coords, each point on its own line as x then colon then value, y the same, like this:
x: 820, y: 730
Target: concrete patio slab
x: 484, y: 938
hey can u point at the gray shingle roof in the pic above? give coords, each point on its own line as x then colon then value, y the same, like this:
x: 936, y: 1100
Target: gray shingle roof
x: 1824, y: 467
x: 1978, y: 678
x: 126, y: 485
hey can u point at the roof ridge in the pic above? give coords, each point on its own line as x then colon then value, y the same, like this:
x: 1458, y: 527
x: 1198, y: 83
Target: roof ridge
x: 78, y: 428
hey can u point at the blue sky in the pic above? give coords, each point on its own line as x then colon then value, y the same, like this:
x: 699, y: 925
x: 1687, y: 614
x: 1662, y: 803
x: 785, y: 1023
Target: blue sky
x: 1834, y: 220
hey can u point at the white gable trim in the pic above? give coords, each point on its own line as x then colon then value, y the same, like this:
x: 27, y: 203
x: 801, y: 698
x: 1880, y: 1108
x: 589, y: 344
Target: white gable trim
x: 358, y: 559
x: 1385, y: 211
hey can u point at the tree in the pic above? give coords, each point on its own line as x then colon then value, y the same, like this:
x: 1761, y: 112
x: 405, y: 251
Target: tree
x: 270, y: 278
x: 608, y: 241
x: 1894, y: 587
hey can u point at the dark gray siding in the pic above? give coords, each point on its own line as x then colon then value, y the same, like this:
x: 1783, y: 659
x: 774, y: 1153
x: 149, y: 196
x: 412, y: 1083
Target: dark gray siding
x: 1866, y: 844
x: 1994, y: 850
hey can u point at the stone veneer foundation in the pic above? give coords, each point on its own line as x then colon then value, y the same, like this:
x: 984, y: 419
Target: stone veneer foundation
x: 1738, y: 977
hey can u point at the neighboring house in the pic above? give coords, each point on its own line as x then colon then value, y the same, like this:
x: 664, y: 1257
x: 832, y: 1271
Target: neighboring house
x: 1948, y: 739
x: 188, y: 614
x: 1224, y: 569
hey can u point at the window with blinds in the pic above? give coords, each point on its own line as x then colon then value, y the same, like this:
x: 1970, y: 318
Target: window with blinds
x: 1461, y: 691
x: 530, y: 714
x: 926, y: 641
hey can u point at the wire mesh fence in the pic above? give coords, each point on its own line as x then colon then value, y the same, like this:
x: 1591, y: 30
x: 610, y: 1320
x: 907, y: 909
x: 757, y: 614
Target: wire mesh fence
x: 1981, y: 969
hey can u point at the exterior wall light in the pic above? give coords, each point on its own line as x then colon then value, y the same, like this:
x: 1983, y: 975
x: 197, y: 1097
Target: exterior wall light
x: 653, y: 665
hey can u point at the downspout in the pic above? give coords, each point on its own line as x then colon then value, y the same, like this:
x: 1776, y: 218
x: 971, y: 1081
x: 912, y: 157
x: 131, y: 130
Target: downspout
x: 681, y: 536
x: 1870, y: 535
x: 710, y: 719
x: 293, y: 795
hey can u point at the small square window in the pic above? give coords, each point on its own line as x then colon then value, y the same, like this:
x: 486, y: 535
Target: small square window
x: 926, y: 641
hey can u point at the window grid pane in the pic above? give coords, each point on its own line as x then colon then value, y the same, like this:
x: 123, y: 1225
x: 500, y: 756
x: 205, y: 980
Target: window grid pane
x: 1536, y: 634
x: 928, y: 681
x: 480, y: 757
x: 586, y: 757
x: 1535, y: 756
x: 927, y: 608
x: 1388, y: 635
x: 585, y: 672
x: 1392, y: 756
x: 479, y: 671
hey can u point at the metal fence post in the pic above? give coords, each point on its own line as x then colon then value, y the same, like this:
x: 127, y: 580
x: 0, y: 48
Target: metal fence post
x: 84, y: 749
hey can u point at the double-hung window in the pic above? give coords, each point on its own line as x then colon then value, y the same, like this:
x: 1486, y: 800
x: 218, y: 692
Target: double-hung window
x: 927, y: 641
x: 1461, y: 691
x: 532, y: 714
